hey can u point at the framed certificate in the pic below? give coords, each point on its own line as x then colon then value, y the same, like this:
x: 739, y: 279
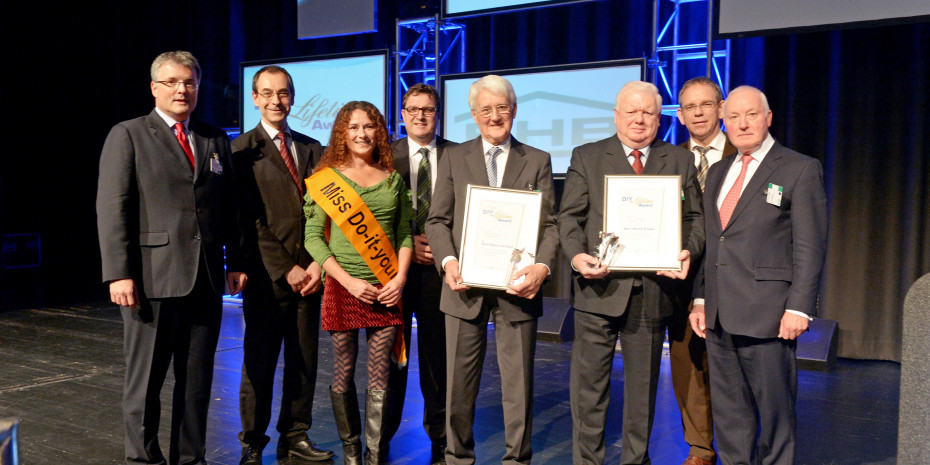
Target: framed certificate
x: 498, y: 235
x: 644, y: 213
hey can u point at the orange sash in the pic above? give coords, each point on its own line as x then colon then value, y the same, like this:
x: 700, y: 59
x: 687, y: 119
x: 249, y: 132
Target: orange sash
x: 348, y: 212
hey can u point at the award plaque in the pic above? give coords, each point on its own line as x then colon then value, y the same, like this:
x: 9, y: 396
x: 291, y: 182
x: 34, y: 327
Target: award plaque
x: 498, y: 235
x: 642, y: 223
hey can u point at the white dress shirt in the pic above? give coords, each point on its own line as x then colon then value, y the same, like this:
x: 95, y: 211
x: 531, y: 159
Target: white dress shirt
x: 273, y: 135
x: 415, y: 157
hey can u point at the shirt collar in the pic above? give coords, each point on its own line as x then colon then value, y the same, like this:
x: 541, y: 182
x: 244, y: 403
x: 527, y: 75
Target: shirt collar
x: 487, y: 145
x: 273, y: 132
x: 763, y: 149
x: 413, y: 147
x: 171, y: 121
x: 717, y: 144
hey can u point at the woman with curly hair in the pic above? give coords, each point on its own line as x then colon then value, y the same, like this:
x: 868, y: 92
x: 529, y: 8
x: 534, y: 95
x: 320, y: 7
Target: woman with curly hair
x: 358, y: 214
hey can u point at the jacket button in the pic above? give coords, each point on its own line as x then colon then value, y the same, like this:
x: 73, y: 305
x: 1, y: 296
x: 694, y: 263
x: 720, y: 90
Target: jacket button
x: 722, y: 238
x: 196, y: 237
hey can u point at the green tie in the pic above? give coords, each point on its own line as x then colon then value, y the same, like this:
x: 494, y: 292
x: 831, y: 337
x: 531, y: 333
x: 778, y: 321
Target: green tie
x: 423, y: 190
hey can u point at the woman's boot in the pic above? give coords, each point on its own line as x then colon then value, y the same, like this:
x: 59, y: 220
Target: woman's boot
x: 348, y: 424
x: 377, y: 407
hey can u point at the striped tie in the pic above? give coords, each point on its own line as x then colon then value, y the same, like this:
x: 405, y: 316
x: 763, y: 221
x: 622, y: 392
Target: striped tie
x: 702, y: 165
x: 729, y: 202
x: 289, y: 160
x: 423, y: 189
x: 492, y: 165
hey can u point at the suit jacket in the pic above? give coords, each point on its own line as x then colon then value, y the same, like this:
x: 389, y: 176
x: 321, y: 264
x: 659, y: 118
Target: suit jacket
x: 769, y: 258
x: 272, y: 206
x: 156, y: 217
x: 728, y: 148
x: 527, y: 168
x: 581, y: 219
x: 402, y: 156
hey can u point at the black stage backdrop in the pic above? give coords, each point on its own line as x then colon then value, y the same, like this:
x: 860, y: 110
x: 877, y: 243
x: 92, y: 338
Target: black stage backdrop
x: 855, y: 99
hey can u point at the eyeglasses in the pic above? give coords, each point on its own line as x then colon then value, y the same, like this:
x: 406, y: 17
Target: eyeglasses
x: 427, y: 111
x: 282, y: 94
x: 705, y: 106
x: 189, y: 84
x: 502, y: 109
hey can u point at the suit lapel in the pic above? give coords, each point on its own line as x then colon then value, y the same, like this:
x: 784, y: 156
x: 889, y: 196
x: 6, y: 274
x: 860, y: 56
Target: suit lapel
x: 271, y: 153
x: 759, y: 178
x: 164, y: 134
x: 474, y: 159
x: 714, y: 185
x: 616, y: 161
x: 202, y: 153
x: 655, y: 163
x: 402, y: 160
x: 514, y: 166
x: 303, y: 158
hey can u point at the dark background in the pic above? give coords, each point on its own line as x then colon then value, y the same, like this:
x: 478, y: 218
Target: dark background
x: 855, y: 99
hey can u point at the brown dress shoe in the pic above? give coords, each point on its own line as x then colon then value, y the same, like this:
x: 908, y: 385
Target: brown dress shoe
x: 697, y: 461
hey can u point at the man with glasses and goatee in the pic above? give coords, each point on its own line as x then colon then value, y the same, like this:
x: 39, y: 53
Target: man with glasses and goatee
x: 165, y: 210
x: 416, y: 158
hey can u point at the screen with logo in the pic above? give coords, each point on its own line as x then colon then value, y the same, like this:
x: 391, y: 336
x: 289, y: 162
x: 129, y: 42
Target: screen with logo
x: 558, y: 108
x: 322, y: 85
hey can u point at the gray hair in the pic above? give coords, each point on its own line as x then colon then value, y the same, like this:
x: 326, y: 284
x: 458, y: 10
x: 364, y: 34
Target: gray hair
x: 493, y: 84
x: 178, y: 57
x: 718, y: 94
x: 765, y: 100
x: 639, y: 86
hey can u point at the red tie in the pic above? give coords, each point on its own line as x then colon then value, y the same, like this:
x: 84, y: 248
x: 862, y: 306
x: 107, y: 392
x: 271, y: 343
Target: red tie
x: 182, y: 139
x: 637, y: 163
x: 289, y: 160
x: 729, y: 202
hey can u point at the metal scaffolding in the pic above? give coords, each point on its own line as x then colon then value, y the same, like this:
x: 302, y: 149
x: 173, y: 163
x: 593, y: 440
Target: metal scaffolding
x: 682, y: 37
x: 425, y: 47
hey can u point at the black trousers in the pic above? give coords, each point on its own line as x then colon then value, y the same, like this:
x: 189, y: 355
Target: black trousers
x: 421, y: 298
x: 185, y: 329
x: 592, y: 363
x: 269, y: 322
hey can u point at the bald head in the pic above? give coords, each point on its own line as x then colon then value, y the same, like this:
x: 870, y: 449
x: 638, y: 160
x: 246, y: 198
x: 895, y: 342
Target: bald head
x: 747, y: 117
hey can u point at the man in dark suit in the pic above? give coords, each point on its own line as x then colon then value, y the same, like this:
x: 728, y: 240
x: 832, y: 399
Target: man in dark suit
x: 165, y: 209
x: 282, y: 302
x: 498, y: 160
x: 422, y: 149
x: 756, y: 289
x: 630, y: 305
x: 700, y: 109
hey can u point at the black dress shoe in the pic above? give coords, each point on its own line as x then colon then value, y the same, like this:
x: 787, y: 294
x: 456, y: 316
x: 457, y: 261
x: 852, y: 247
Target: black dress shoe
x: 306, y: 450
x: 437, y: 453
x: 251, y: 456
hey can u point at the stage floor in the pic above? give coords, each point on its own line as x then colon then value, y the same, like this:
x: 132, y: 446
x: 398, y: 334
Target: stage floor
x: 61, y: 373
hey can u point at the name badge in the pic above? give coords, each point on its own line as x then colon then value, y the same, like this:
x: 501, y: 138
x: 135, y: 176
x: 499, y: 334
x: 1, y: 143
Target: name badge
x: 773, y: 194
x: 215, y: 165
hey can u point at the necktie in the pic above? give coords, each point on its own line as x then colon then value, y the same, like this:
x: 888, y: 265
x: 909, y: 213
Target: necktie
x: 637, y: 163
x: 185, y: 145
x: 729, y: 202
x: 702, y: 165
x: 492, y: 165
x: 423, y: 190
x: 288, y: 159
